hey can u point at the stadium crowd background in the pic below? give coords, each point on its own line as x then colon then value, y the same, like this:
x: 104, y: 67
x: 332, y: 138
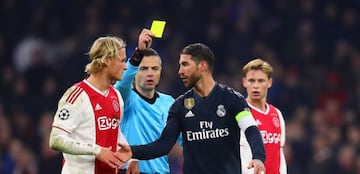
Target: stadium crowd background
x: 313, y: 45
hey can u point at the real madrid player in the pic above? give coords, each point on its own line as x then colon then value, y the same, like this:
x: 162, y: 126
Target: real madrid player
x: 86, y: 124
x: 209, y: 116
x: 257, y: 80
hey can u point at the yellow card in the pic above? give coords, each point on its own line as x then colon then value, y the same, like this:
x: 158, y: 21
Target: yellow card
x: 157, y: 27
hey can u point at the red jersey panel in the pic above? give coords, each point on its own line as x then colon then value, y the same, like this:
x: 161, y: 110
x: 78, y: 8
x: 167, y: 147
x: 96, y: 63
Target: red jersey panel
x: 107, y: 117
x: 269, y: 126
x: 272, y: 129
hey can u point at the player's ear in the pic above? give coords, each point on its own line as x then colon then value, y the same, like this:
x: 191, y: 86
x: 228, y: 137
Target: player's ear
x: 204, y: 65
x: 270, y: 82
x: 244, y: 82
x: 106, y: 60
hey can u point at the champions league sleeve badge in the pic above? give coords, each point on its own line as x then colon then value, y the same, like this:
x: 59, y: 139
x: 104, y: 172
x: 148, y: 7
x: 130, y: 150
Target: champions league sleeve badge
x: 221, y: 112
x: 64, y: 114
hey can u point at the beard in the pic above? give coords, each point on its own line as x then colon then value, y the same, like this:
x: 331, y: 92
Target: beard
x: 192, y: 80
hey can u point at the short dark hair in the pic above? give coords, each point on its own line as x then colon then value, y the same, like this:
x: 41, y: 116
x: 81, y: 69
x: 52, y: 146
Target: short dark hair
x: 150, y: 52
x: 200, y: 52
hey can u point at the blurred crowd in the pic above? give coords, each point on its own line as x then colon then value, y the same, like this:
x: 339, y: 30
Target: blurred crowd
x: 312, y: 44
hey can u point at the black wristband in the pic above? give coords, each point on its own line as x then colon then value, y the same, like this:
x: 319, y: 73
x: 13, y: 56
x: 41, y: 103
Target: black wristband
x: 136, y: 57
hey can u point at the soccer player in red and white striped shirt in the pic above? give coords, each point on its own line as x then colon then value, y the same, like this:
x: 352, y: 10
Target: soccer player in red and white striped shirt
x: 86, y: 124
x: 257, y: 79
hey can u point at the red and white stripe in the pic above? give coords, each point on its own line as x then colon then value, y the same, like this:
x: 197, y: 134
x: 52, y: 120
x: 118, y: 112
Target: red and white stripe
x: 74, y: 95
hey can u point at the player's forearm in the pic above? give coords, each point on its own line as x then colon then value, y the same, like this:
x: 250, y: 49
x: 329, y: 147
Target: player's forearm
x: 161, y: 146
x: 255, y: 141
x: 61, y: 142
x: 156, y: 149
x: 146, y: 152
x: 136, y: 57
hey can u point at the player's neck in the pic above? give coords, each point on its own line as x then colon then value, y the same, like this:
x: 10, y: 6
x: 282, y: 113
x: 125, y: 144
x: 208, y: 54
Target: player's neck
x: 99, y: 82
x: 259, y: 104
x: 204, y: 86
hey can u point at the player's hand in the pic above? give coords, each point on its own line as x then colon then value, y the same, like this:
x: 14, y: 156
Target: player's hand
x: 145, y: 39
x: 124, y: 152
x: 133, y: 167
x: 258, y: 165
x: 111, y: 158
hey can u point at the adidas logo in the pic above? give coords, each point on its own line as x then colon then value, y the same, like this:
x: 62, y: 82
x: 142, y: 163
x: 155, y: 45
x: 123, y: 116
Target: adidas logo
x: 189, y: 114
x: 97, y: 107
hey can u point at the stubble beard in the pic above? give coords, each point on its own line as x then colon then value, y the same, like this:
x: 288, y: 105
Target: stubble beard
x: 192, y: 80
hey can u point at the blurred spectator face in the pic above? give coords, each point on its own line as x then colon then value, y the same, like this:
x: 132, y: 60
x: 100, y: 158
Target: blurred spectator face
x: 5, y: 132
x: 346, y: 158
x: 20, y: 87
x: 44, y: 131
x: 358, y: 164
x: 288, y: 152
x: 320, y: 146
x: 353, y: 135
x: 305, y: 29
x: 8, y: 74
x: 350, y: 17
x: 334, y: 135
x: 295, y: 131
x: 50, y: 86
x: 15, y: 149
x: 330, y: 11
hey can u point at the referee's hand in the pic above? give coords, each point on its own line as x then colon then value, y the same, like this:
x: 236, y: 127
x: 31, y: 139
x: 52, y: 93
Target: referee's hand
x: 258, y: 165
x: 145, y: 39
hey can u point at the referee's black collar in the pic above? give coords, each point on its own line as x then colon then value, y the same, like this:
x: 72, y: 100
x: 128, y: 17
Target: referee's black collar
x: 149, y: 100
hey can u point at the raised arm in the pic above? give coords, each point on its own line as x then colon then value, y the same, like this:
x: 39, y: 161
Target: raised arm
x: 125, y: 85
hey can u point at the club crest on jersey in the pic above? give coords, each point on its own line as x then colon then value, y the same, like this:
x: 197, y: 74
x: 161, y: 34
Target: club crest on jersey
x: 64, y: 114
x: 221, y: 112
x: 276, y: 122
x: 189, y: 103
x: 116, y: 106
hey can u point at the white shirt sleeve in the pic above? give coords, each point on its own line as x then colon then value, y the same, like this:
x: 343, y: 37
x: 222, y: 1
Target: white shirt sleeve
x: 283, y: 166
x: 67, y: 118
x: 59, y: 140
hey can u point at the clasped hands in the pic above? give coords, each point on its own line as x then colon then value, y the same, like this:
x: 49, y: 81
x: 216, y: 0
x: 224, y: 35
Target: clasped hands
x: 116, y: 159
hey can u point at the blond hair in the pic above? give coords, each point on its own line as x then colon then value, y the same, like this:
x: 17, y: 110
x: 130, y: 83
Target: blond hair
x: 258, y: 64
x: 103, y: 47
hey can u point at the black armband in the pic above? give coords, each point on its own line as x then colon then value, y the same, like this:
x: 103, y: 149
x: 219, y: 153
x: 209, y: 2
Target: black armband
x: 136, y: 57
